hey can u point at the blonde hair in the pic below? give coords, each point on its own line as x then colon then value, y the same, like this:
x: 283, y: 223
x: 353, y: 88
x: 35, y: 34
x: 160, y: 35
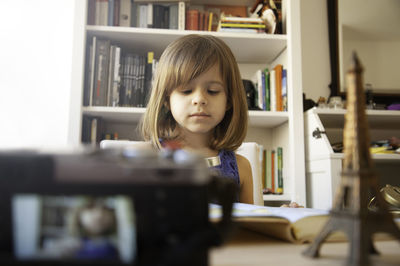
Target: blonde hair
x: 182, y: 61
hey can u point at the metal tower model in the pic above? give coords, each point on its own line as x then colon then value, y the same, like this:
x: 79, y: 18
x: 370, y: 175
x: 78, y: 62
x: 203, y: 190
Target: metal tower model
x: 359, y: 182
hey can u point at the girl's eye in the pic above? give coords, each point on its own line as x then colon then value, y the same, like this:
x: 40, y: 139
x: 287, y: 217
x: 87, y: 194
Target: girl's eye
x: 213, y: 92
x: 186, y: 92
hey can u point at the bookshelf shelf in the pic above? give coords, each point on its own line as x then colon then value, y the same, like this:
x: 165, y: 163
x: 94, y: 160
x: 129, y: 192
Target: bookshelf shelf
x: 271, y: 197
x: 376, y: 118
x: 133, y: 114
x: 156, y: 40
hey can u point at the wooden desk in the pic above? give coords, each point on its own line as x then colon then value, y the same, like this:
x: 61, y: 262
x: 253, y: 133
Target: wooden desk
x: 247, y: 248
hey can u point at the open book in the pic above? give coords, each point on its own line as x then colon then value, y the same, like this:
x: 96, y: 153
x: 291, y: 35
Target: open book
x: 297, y: 225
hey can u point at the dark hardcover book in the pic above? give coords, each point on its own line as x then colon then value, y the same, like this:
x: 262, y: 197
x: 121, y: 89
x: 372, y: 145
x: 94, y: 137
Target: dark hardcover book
x: 279, y: 170
x: 117, y: 5
x: 88, y: 75
x: 267, y: 91
x: 91, y: 12
x: 86, y: 127
x: 101, y: 72
x: 165, y: 20
x: 157, y: 16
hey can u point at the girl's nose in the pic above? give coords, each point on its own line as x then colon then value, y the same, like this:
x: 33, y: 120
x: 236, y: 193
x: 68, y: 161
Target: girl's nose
x: 199, y: 98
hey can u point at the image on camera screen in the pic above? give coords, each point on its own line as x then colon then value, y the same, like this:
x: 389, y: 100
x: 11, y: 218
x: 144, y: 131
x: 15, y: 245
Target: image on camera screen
x: 79, y: 227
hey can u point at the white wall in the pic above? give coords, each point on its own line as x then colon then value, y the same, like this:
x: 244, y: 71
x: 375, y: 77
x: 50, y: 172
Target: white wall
x: 35, y: 72
x: 315, y: 49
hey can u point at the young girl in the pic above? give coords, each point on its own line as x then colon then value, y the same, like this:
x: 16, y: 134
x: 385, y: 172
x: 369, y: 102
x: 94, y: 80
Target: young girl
x: 198, y: 99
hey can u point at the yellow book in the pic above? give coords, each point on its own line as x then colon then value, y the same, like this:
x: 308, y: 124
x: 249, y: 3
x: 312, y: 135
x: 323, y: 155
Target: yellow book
x: 210, y: 18
x: 238, y: 25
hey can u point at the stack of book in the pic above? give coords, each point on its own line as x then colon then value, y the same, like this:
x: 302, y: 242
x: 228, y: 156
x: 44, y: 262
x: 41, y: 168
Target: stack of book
x: 241, y: 24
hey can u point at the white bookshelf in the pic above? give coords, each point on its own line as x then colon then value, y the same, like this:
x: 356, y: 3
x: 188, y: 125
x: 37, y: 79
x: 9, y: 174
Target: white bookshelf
x: 252, y: 52
x: 323, y: 165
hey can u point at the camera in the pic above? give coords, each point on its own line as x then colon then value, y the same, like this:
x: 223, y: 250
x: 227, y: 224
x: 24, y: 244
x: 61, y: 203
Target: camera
x: 109, y: 207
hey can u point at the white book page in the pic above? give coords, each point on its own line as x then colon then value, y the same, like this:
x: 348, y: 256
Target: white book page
x: 250, y: 210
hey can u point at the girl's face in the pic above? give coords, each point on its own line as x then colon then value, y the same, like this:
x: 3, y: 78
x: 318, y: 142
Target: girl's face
x: 201, y: 105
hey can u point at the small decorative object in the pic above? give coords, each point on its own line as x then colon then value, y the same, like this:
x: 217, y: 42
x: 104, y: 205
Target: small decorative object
x: 350, y: 213
x: 336, y: 102
x: 321, y: 103
x: 266, y: 9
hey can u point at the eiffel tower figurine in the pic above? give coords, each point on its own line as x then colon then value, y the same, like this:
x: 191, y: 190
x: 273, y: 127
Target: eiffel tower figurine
x: 350, y: 213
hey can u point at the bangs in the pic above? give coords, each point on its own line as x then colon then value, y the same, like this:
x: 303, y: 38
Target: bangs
x: 189, y: 61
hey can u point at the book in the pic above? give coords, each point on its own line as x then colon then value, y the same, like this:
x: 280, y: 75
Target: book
x: 268, y: 176
x: 272, y: 90
x: 296, y: 225
x: 267, y: 90
x: 192, y: 19
x: 125, y: 13
x: 279, y: 157
x: 284, y: 90
x: 181, y: 15
x: 257, y: 81
x: 278, y: 88
x: 102, y: 56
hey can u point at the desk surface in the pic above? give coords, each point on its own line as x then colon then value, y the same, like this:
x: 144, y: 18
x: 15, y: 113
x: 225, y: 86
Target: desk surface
x: 247, y: 248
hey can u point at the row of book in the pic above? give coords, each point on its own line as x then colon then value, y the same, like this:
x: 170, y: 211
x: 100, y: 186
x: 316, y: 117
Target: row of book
x: 117, y: 79
x: 173, y: 14
x: 272, y: 171
x: 94, y: 130
x: 267, y: 166
x: 128, y: 13
x: 271, y: 89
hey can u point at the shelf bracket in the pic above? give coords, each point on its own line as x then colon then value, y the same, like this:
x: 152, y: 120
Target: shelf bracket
x: 317, y: 133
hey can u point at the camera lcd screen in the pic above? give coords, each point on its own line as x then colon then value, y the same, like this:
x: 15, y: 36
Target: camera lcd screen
x: 77, y: 227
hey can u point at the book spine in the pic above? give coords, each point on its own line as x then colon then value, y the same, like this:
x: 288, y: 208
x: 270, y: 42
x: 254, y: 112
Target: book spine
x: 110, y: 75
x: 210, y: 19
x: 267, y: 90
x: 174, y: 16
x: 264, y: 169
x: 110, y: 18
x: 268, y: 172
x: 263, y: 90
x: 91, y: 19
x: 279, y: 171
x: 148, y: 76
x: 272, y: 90
x: 273, y: 171
x: 181, y: 15
x: 117, y: 6
x: 143, y: 16
x: 284, y: 90
x: 192, y: 19
x: 150, y: 15
x: 117, y: 79
x: 125, y: 13
x: 278, y: 80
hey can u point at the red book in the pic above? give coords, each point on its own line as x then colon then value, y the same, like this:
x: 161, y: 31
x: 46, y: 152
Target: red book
x: 192, y: 19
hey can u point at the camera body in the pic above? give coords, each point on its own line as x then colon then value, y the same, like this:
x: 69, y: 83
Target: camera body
x: 160, y: 203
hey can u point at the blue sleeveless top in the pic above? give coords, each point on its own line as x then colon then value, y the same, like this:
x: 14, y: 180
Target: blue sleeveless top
x: 228, y: 167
